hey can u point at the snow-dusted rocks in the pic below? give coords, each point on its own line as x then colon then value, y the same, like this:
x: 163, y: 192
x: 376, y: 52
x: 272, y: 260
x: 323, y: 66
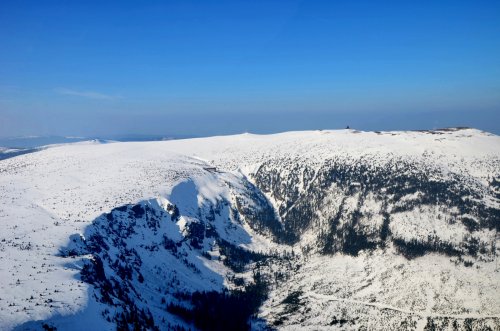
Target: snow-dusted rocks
x: 319, y: 230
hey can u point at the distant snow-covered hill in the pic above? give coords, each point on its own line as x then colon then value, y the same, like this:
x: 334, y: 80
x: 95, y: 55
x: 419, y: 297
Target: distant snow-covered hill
x: 316, y: 230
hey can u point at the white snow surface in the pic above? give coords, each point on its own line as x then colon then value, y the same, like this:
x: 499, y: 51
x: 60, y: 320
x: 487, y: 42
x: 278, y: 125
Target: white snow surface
x: 47, y: 196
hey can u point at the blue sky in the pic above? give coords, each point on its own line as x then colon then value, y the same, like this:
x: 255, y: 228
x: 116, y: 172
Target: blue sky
x: 217, y: 67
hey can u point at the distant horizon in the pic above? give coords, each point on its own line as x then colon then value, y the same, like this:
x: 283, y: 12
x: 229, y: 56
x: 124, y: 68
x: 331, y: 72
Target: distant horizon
x: 221, y: 67
x: 35, y: 141
x: 166, y: 136
x: 189, y: 127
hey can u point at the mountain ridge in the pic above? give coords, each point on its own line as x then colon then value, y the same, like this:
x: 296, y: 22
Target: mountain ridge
x: 260, y: 208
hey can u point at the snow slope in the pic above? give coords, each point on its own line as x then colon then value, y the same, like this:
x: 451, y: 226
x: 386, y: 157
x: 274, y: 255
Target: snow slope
x: 49, y: 198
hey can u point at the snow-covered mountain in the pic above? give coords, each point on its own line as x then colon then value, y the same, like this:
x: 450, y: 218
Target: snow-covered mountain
x: 311, y: 230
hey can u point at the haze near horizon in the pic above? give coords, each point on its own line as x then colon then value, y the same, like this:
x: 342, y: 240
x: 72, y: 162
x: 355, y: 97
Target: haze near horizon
x: 220, y: 67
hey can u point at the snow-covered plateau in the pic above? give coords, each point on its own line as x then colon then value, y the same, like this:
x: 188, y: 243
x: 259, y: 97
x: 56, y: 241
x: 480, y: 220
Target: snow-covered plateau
x: 312, y: 230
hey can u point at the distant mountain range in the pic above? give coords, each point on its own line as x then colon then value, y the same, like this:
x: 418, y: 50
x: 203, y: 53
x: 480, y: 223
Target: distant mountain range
x: 26, y: 142
x: 13, y: 146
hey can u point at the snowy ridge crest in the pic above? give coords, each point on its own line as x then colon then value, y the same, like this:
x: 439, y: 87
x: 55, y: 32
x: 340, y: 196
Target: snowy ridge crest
x: 316, y: 230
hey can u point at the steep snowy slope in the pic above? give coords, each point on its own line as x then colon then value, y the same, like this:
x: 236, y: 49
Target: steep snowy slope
x: 416, y: 213
x: 344, y: 229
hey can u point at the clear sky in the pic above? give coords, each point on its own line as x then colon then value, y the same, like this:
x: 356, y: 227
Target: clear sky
x: 216, y: 67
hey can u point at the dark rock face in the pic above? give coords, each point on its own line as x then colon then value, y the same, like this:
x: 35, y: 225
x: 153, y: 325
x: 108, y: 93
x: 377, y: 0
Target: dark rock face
x: 252, y: 204
x: 147, y: 248
x: 115, y: 267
